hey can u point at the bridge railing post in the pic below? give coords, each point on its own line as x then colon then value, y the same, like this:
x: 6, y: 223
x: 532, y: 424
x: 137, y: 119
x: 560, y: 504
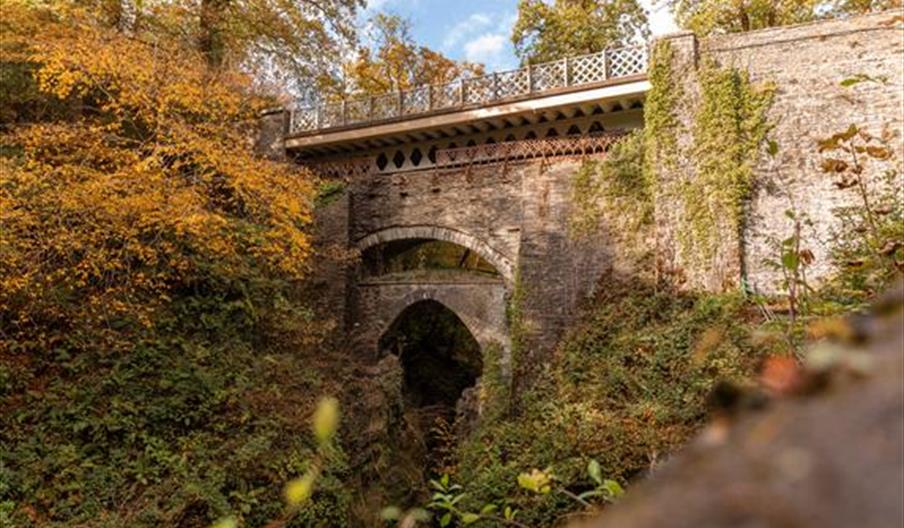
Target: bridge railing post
x: 400, y: 104
x: 530, y: 78
x: 461, y: 92
x: 565, y: 73
x: 344, y: 112
x: 605, y: 64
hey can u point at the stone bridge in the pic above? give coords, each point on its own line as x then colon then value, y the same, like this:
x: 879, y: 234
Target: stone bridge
x: 487, y: 164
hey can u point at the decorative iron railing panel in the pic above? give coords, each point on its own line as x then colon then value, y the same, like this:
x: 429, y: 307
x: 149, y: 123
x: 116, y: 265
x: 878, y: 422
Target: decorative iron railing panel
x: 495, y: 87
x: 480, y: 154
x: 527, y: 149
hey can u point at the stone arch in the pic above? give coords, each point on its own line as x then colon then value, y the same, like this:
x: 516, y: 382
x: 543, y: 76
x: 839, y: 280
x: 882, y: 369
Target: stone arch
x: 502, y: 263
x: 486, y: 327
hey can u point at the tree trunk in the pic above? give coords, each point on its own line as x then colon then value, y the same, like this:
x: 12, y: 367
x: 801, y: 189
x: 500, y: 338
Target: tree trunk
x: 211, y: 41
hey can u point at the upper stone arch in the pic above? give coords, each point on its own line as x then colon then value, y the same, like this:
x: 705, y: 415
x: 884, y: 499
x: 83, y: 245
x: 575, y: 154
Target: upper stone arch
x: 500, y: 261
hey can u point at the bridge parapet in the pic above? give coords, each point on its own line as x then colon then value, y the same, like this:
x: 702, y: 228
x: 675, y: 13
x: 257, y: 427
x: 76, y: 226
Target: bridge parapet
x: 506, y: 86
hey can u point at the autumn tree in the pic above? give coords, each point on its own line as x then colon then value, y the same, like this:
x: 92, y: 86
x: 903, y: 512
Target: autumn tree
x: 546, y: 31
x: 144, y: 187
x: 290, y: 43
x: 730, y: 16
x: 151, y: 281
x: 394, y: 61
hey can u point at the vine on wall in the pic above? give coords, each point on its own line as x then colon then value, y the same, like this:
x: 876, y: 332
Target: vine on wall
x: 615, y: 184
x: 730, y: 125
x: 661, y: 124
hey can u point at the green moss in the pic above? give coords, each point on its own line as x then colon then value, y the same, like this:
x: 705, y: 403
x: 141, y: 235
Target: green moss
x: 495, y: 384
x: 328, y: 191
x: 514, y: 315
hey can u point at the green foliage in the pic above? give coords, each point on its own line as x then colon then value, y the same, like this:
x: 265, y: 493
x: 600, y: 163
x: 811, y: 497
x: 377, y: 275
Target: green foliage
x: 869, y: 241
x: 628, y: 384
x: 177, y: 432
x: 731, y: 16
x: 792, y: 260
x: 547, y: 31
x: 495, y: 384
x: 661, y: 124
x: 514, y: 314
x: 328, y: 191
x: 615, y: 184
x: 729, y: 128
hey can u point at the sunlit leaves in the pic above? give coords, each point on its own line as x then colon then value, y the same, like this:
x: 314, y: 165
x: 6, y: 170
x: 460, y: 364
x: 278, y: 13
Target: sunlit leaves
x: 396, y: 62
x: 326, y: 419
x: 147, y: 186
x: 299, y: 490
x: 730, y: 16
x: 536, y: 481
x: 548, y: 31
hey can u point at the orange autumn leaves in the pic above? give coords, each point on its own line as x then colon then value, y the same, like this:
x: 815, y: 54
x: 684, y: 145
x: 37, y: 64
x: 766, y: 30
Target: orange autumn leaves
x: 144, y: 186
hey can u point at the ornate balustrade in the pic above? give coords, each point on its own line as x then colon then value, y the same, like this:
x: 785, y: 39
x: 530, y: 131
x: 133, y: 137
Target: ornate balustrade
x: 474, y: 91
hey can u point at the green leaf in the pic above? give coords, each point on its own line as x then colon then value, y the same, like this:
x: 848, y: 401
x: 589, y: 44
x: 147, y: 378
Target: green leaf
x: 446, y: 519
x: 772, y: 148
x: 391, y: 513
x: 488, y: 509
x: 469, y: 518
x: 326, y: 419
x: 593, y: 469
x: 613, y: 488
x: 790, y: 260
x: 225, y: 522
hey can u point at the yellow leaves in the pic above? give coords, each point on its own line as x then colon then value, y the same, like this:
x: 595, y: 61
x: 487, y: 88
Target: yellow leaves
x: 153, y: 186
x: 326, y: 420
x: 299, y: 490
x: 536, y: 481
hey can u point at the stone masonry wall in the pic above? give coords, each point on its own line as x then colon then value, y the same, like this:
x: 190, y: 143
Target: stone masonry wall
x: 807, y: 64
x: 522, y: 211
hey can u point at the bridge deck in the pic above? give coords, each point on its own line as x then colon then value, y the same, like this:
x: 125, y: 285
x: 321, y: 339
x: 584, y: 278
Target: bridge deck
x: 531, y: 82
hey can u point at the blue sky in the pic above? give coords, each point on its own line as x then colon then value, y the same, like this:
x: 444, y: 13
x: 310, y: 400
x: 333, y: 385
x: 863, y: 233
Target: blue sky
x: 479, y: 30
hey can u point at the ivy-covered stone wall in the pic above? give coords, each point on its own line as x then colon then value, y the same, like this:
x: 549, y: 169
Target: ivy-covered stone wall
x: 732, y: 130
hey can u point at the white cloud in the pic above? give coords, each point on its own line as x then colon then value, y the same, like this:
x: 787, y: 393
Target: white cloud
x: 489, y: 49
x: 466, y: 27
x: 661, y: 19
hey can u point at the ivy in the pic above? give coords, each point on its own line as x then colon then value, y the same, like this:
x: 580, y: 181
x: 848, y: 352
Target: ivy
x: 730, y: 125
x: 614, y: 184
x: 661, y: 124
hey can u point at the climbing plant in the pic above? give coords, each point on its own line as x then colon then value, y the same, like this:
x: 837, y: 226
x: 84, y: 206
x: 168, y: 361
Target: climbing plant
x: 661, y: 124
x: 730, y: 125
x: 615, y: 183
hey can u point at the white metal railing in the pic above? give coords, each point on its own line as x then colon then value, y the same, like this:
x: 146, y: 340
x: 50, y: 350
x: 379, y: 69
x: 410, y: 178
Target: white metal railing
x: 494, y: 87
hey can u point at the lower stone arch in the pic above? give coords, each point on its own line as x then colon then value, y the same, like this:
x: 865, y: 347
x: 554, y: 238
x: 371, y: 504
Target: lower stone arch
x: 486, y: 323
x: 502, y: 263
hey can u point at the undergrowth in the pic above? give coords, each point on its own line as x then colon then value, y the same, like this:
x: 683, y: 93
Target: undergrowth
x: 628, y: 386
x: 180, y: 431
